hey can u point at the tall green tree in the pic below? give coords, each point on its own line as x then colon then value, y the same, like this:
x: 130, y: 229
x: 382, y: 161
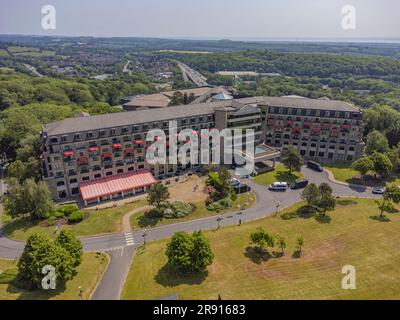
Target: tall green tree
x: 392, y: 192
x: 158, y: 196
x: 385, y: 205
x: 40, y: 251
x: 29, y: 198
x: 189, y: 253
x: 69, y: 242
x: 363, y: 166
x: 376, y: 142
x: 291, y: 158
x: 382, y: 165
x: 310, y: 194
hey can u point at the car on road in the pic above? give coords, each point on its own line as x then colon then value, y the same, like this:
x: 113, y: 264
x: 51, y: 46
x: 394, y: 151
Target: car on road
x: 241, y: 188
x: 278, y: 186
x: 378, y: 190
x: 235, y: 182
x: 314, y: 166
x: 298, y: 184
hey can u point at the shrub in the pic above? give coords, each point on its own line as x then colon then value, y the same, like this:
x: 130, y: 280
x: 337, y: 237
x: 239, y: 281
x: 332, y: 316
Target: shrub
x: 75, y: 217
x: 67, y: 209
x: 181, y: 209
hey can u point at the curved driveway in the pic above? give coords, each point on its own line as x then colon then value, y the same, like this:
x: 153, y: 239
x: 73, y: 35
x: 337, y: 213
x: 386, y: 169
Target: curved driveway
x: 121, y: 246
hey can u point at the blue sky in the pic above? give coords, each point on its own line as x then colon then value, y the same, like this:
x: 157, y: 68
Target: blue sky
x: 233, y: 19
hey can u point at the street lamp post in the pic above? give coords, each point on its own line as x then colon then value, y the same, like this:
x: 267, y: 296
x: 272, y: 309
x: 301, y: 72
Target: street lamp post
x: 80, y: 292
x: 144, y: 236
x: 218, y: 220
x: 277, y: 205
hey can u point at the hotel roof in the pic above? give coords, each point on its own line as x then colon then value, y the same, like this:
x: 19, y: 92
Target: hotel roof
x: 121, y: 119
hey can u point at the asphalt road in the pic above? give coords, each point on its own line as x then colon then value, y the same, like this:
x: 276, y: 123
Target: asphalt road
x: 120, y: 247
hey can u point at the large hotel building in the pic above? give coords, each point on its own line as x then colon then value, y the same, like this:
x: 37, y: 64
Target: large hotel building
x: 103, y: 157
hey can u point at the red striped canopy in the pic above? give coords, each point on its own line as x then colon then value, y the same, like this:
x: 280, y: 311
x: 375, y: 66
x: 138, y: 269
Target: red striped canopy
x: 68, y: 154
x: 119, y: 183
x: 117, y: 146
x: 93, y: 149
x: 138, y: 141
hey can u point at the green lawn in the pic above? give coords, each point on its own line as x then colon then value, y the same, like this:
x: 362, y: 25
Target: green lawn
x: 343, y: 172
x: 243, y: 201
x: 281, y: 173
x: 88, y: 274
x: 353, y: 236
x: 97, y: 222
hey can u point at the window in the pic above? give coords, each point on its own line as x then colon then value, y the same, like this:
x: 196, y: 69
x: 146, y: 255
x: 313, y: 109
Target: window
x: 109, y: 173
x: 85, y: 178
x: 60, y: 183
x: 53, y: 140
x: 73, y: 181
x: 96, y: 176
x: 120, y: 171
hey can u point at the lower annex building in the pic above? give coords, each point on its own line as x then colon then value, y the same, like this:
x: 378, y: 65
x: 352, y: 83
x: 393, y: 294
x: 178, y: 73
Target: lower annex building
x: 103, y: 157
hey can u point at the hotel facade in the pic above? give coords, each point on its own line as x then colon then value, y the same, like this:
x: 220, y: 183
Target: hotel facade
x: 103, y: 157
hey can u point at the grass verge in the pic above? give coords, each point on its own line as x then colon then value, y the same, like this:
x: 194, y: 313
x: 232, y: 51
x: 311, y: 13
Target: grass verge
x: 352, y: 236
x: 88, y: 274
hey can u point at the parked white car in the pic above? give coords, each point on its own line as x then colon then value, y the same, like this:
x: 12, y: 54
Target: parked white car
x: 279, y: 186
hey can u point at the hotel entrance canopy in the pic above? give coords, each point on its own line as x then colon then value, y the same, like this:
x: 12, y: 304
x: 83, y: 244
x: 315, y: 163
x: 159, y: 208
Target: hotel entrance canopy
x: 98, y: 188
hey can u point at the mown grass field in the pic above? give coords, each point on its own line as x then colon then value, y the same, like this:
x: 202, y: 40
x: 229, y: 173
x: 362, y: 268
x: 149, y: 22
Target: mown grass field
x: 281, y: 173
x: 243, y: 201
x: 352, y: 236
x: 97, y: 222
x: 343, y: 172
x: 88, y: 274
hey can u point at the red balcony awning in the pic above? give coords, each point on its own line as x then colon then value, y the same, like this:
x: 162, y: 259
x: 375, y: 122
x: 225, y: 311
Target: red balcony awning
x: 297, y: 129
x: 138, y: 142
x: 107, y: 155
x: 117, y: 146
x: 93, y: 149
x: 68, y: 154
x: 279, y: 128
x: 119, y: 183
x: 129, y: 150
x: 271, y: 121
x: 83, y: 159
x: 307, y: 123
x: 345, y: 126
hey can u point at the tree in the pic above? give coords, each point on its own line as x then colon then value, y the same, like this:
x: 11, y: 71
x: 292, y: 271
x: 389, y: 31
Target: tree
x: 363, y: 166
x: 310, y: 194
x: 300, y: 243
x: 201, y: 255
x: 392, y: 192
x: 325, y: 189
x: 30, y: 198
x: 291, y: 158
x: 158, y: 195
x: 326, y: 203
x: 189, y: 253
x: 281, y: 242
x: 73, y: 245
x: 260, y: 238
x: 40, y: 251
x: 385, y: 205
x: 376, y: 142
x: 382, y: 165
